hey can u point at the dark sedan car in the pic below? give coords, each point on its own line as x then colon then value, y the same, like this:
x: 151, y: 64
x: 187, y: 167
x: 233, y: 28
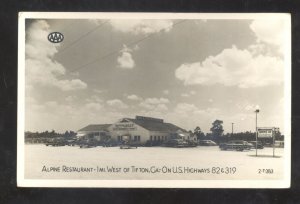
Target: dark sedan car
x: 206, y: 143
x: 175, y: 143
x: 259, y: 144
x: 238, y: 145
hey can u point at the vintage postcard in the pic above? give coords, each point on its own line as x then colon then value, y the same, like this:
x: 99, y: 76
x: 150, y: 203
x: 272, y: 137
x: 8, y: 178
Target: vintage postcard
x: 154, y: 100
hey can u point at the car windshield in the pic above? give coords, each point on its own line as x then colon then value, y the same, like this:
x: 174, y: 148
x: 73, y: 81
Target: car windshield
x: 237, y: 142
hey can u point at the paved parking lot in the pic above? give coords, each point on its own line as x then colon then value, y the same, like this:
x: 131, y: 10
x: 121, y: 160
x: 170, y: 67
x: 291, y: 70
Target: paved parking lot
x: 151, y: 163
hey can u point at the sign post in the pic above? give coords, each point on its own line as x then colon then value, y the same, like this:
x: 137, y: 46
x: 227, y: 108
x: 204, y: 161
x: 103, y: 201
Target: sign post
x: 267, y: 132
x: 273, y: 144
x: 256, y: 111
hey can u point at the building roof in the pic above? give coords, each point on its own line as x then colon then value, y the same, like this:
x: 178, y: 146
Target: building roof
x: 96, y: 127
x: 151, y: 124
x: 155, y: 125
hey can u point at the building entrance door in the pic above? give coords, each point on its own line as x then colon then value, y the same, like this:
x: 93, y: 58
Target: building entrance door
x: 126, y: 138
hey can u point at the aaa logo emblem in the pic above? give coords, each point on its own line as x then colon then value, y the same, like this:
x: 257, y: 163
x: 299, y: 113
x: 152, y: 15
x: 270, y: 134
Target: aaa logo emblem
x: 55, y: 37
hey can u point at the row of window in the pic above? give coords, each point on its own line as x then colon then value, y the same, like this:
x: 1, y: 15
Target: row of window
x: 154, y: 138
x: 135, y: 138
x: 97, y: 134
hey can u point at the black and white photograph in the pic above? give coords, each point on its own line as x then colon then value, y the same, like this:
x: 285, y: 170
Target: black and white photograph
x: 160, y: 100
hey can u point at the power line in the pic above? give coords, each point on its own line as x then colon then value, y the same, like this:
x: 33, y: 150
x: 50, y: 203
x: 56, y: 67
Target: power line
x: 81, y: 37
x: 66, y: 27
x: 118, y: 50
x: 109, y: 54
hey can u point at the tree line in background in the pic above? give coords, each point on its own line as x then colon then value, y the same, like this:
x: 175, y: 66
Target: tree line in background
x: 217, y: 134
x: 51, y: 134
x: 48, y: 136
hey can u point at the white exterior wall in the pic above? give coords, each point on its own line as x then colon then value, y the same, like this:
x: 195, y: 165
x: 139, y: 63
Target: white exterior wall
x: 186, y: 135
x: 129, y: 128
x: 159, y: 133
x: 84, y: 133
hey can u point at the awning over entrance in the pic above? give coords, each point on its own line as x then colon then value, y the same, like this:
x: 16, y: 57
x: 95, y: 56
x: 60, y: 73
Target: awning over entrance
x: 81, y: 134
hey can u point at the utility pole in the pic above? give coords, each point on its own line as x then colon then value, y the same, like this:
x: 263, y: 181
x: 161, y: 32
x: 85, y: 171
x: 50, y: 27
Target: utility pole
x: 256, y: 111
x: 274, y: 131
x: 232, y: 129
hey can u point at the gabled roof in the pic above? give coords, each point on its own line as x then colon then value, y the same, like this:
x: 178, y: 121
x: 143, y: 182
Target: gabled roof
x: 96, y: 127
x: 151, y: 124
x: 156, y: 125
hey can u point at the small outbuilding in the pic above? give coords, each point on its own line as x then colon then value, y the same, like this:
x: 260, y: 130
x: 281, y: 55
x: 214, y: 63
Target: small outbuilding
x: 98, y: 132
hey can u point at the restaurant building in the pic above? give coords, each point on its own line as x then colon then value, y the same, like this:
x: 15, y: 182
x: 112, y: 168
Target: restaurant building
x: 140, y: 129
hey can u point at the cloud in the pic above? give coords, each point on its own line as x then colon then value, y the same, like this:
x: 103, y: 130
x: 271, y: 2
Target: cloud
x: 191, y: 93
x: 99, y: 91
x: 269, y: 31
x: 93, y: 106
x: 76, y: 74
x: 73, y: 84
x: 117, y: 103
x: 154, y: 107
x: 192, y: 116
x: 186, y: 108
x: 155, y: 104
x: 125, y: 61
x: 157, y: 100
x: 159, y: 111
x: 141, y: 26
x: 93, y: 103
x: 136, y: 47
x: 70, y: 98
x: 246, y: 106
x: 41, y: 69
x: 94, y: 98
x: 250, y: 107
x: 166, y: 92
x: 134, y: 97
x: 74, y: 116
x: 233, y: 67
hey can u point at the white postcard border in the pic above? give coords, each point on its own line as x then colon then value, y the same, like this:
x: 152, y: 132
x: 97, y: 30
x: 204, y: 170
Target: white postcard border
x: 22, y: 182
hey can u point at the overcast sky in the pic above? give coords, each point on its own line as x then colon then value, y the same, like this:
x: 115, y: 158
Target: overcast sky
x: 188, y: 72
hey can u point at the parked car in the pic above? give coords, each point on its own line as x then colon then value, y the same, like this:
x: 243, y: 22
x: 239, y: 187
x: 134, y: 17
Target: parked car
x: 126, y: 146
x: 192, y: 143
x: 110, y: 143
x: 129, y: 145
x: 177, y: 143
x: 151, y: 143
x: 72, y: 142
x: 206, y: 143
x: 56, y: 143
x: 238, y: 145
x: 259, y: 144
x: 87, y: 145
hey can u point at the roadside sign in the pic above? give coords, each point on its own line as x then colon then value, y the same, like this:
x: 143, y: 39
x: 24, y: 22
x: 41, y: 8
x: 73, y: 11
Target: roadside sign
x: 265, y: 132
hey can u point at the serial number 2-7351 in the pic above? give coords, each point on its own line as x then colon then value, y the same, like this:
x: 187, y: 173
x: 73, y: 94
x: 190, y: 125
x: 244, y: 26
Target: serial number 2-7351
x: 265, y: 171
